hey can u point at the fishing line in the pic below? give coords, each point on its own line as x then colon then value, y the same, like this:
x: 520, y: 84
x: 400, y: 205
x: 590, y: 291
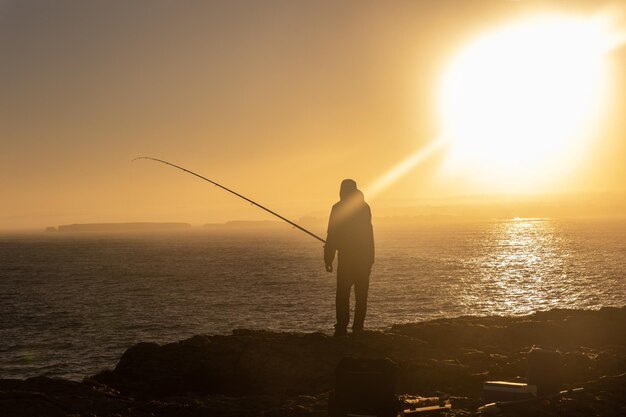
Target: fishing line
x: 235, y: 193
x: 129, y: 192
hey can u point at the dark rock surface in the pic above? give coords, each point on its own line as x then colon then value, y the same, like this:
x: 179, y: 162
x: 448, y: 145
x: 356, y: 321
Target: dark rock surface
x: 253, y: 373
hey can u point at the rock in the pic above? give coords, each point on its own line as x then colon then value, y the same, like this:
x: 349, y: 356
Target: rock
x: 43, y: 396
x: 252, y: 373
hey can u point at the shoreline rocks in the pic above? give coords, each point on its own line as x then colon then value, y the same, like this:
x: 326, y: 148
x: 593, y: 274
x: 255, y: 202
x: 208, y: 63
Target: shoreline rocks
x: 288, y: 374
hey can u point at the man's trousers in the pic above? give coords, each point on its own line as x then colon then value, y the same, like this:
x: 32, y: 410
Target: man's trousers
x: 348, y: 276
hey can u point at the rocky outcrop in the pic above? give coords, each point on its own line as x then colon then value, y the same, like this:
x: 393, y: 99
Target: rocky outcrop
x: 447, y: 355
x: 289, y: 374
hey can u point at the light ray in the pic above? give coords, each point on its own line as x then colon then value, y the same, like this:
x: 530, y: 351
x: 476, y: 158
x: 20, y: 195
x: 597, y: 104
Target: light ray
x: 401, y: 169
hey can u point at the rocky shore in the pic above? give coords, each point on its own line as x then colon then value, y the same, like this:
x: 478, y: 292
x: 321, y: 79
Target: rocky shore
x: 259, y: 373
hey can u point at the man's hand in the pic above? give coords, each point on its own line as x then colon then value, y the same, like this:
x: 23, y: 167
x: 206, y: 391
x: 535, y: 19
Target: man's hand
x: 329, y: 267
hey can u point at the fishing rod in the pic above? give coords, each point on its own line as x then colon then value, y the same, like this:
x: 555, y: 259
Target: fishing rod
x: 235, y: 193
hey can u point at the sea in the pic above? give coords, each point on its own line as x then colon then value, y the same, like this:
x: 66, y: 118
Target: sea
x: 72, y: 303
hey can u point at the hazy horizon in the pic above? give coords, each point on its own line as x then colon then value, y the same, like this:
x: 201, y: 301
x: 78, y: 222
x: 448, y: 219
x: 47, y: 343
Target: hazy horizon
x: 453, y: 209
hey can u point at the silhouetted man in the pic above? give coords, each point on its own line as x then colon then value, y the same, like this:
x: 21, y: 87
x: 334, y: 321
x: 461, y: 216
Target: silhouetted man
x: 350, y: 234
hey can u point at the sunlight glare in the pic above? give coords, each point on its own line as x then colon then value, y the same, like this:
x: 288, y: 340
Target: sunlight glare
x: 517, y: 102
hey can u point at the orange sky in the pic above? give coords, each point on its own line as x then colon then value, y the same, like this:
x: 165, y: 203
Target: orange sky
x: 279, y: 100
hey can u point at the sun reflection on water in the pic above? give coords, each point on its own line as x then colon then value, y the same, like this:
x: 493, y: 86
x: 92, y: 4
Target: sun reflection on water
x: 516, y: 266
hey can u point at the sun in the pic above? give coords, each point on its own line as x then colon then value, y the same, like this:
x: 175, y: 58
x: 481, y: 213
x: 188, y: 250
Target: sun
x: 518, y: 103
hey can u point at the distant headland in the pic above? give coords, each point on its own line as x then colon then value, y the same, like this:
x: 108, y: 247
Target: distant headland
x: 119, y: 227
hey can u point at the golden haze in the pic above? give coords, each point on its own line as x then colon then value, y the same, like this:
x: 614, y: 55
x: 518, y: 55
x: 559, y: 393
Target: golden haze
x: 278, y: 100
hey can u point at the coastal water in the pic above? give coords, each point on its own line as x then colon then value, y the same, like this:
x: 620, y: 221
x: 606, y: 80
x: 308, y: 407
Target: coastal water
x: 70, y: 304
